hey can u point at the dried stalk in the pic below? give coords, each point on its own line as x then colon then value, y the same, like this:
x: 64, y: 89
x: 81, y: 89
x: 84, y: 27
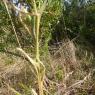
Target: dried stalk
x: 12, y: 23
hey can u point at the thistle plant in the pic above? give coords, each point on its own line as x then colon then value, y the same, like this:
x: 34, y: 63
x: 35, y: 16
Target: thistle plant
x: 36, y: 63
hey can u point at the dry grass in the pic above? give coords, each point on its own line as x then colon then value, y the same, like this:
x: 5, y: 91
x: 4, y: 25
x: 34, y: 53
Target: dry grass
x: 62, y: 73
x: 57, y: 81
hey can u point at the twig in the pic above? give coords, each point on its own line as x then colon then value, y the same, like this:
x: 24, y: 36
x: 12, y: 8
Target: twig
x: 80, y: 82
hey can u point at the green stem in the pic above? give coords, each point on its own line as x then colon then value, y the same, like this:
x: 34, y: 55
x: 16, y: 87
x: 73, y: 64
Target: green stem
x: 37, y: 37
x: 40, y: 74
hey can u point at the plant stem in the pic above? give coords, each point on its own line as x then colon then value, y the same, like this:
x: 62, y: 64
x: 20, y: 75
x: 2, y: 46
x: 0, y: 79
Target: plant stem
x: 41, y: 68
x: 37, y: 36
x: 40, y: 84
x: 13, y: 26
x: 40, y: 75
